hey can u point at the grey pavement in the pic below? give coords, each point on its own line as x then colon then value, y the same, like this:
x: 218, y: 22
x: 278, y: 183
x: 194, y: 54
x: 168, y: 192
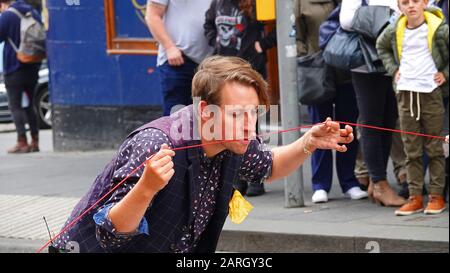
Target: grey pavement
x: 49, y: 184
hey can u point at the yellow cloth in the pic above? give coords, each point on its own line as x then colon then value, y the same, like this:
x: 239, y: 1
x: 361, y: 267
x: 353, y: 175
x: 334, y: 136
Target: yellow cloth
x: 239, y: 208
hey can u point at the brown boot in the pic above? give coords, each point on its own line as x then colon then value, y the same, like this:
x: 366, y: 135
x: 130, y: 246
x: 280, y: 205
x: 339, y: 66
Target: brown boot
x: 34, y: 146
x: 21, y: 146
x: 383, y: 194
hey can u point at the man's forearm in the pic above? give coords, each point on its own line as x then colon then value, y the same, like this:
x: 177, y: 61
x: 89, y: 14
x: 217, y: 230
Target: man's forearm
x: 288, y: 158
x: 158, y: 30
x: 127, y: 213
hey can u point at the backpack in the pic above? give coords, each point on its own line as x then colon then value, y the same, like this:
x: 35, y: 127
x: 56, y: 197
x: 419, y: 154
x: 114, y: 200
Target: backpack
x: 32, y: 37
x: 330, y: 26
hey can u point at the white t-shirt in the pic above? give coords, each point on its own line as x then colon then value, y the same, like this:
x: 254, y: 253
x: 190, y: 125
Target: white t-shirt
x: 417, y: 68
x: 184, y: 21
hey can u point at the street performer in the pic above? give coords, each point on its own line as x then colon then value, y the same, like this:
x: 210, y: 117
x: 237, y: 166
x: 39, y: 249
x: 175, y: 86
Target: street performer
x: 180, y: 200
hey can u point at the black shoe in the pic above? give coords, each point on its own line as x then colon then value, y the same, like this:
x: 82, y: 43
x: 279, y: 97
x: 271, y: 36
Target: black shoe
x: 241, y: 186
x: 255, y: 189
x: 404, y: 191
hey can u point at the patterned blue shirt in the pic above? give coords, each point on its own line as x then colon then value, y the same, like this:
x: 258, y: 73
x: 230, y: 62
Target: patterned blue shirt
x: 256, y: 166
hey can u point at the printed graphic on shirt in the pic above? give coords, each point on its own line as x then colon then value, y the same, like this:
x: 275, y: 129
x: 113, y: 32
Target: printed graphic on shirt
x: 230, y: 28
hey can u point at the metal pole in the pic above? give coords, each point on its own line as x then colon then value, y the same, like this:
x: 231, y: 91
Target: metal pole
x: 290, y: 116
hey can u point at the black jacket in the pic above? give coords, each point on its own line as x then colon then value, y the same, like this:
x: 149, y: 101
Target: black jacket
x: 232, y: 33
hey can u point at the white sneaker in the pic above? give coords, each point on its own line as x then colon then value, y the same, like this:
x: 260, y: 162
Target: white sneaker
x: 356, y: 193
x: 320, y: 196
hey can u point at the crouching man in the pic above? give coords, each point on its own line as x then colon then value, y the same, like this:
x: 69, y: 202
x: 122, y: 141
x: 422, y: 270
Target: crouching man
x: 180, y: 200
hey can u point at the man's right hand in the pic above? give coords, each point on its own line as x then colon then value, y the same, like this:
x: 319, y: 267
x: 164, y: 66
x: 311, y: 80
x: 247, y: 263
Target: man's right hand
x: 397, y: 76
x: 175, y: 56
x: 159, y: 170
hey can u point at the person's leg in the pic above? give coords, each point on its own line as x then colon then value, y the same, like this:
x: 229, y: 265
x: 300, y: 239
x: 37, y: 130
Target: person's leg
x: 398, y: 162
x: 413, y: 145
x: 446, y: 153
x: 176, y: 84
x: 14, y: 90
x: 390, y: 117
x: 346, y: 110
x: 15, y: 93
x: 371, y: 94
x: 432, y: 119
x: 321, y: 160
x: 30, y: 111
x: 361, y: 172
x: 398, y: 155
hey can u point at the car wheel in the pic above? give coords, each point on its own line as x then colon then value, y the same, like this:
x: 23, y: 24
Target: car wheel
x: 44, y: 108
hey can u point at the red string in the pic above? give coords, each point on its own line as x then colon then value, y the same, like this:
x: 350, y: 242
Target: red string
x: 391, y: 130
x: 219, y: 142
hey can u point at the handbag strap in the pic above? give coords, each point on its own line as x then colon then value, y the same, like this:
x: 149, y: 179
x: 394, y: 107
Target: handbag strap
x: 364, y: 3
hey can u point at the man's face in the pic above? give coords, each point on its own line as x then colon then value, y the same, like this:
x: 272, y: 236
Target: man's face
x: 237, y: 117
x: 413, y: 9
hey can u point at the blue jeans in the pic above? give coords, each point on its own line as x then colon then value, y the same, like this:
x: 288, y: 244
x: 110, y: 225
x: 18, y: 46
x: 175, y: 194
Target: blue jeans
x: 322, y: 160
x: 176, y: 84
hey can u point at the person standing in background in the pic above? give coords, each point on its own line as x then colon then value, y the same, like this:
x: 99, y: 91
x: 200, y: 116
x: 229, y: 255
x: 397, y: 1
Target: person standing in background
x: 309, y: 16
x: 20, y: 78
x: 377, y: 107
x: 414, y: 50
x: 232, y: 30
x: 177, y: 26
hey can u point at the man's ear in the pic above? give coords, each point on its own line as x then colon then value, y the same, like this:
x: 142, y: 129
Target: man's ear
x: 202, y: 110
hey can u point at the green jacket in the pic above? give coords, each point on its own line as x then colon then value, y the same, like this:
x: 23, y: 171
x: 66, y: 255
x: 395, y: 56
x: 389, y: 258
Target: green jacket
x: 390, y: 44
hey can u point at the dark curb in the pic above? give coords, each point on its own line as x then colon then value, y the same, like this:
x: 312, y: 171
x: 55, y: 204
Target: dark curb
x: 264, y: 242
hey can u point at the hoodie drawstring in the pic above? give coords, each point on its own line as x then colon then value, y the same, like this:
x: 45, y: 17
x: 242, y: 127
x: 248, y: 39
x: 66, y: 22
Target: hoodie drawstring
x: 411, y: 109
x: 418, y: 106
x: 411, y: 98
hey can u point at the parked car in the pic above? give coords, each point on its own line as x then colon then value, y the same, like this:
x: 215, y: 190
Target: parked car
x: 42, y: 100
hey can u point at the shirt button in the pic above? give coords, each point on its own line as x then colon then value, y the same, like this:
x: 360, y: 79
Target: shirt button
x: 172, y: 247
x: 184, y: 228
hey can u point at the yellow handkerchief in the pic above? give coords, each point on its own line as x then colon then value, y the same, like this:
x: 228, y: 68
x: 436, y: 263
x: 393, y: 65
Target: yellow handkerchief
x: 239, y: 208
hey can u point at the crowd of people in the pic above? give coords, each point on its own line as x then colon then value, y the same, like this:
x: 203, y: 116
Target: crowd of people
x: 414, y: 51
x: 410, y: 93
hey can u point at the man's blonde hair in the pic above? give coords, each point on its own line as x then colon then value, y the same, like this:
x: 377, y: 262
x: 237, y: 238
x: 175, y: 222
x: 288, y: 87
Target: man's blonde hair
x: 214, y: 72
